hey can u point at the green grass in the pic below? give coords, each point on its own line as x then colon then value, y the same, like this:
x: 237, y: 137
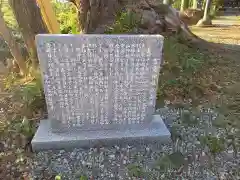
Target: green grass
x: 28, y: 92
x: 126, y: 22
x: 9, y: 16
x: 23, y: 107
x: 181, y: 67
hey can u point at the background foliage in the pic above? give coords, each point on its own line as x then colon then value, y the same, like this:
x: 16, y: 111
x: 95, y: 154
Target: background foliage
x: 67, y: 16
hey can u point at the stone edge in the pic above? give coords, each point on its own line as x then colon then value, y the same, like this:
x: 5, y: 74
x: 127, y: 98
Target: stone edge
x: 44, y: 139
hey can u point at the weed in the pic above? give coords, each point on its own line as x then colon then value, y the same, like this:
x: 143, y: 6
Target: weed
x: 10, y: 80
x: 32, y: 96
x: 8, y: 15
x: 221, y: 121
x: 58, y: 177
x: 181, y: 66
x: 135, y: 170
x: 83, y: 177
x: 67, y: 16
x: 25, y: 127
x: 176, y: 4
x: 188, y: 119
x: 126, y: 22
x: 171, y: 161
x: 28, y: 93
x: 215, y: 144
x: 186, y: 59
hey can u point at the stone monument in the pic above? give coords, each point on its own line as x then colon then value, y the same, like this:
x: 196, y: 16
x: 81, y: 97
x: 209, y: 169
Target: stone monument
x: 99, y: 89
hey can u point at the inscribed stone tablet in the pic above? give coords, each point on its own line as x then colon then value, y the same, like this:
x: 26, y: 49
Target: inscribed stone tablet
x: 100, y: 81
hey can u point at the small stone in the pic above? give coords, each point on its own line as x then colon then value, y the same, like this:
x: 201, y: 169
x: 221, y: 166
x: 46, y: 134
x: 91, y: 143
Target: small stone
x: 21, y: 169
x: 13, y: 168
x: 65, y: 161
x: 108, y: 167
x: 89, y: 164
x: 112, y: 156
x: 147, y: 149
x: 73, y: 154
x: 95, y: 150
x: 117, y: 147
x: 8, y: 166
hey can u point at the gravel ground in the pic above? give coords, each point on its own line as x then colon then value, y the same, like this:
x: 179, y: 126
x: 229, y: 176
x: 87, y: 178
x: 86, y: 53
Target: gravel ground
x: 198, y: 150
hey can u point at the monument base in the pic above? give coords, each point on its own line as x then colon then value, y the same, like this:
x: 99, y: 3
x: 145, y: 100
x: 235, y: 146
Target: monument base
x: 45, y: 139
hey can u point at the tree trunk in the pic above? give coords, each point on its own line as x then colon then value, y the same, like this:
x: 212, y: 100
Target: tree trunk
x: 207, y: 9
x: 184, y: 4
x: 49, y: 16
x: 13, y: 46
x: 94, y: 13
x: 30, y: 21
x: 206, y: 21
x: 195, y: 4
x: 153, y: 17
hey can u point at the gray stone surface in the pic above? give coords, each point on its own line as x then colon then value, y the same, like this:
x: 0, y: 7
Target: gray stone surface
x: 99, y: 81
x: 45, y: 139
x: 104, y: 84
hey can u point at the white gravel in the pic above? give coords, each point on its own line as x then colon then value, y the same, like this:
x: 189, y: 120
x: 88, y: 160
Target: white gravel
x: 187, y: 157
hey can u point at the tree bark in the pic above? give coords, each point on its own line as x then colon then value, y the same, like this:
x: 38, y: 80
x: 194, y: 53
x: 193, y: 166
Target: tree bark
x: 207, y: 9
x: 94, y: 13
x: 206, y: 21
x: 28, y: 16
x: 49, y: 16
x: 13, y: 46
x: 184, y: 4
x: 153, y: 17
x: 195, y: 4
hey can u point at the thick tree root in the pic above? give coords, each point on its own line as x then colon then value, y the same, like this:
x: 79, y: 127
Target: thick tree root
x: 96, y: 16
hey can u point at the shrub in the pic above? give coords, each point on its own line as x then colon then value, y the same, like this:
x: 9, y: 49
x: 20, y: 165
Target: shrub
x: 67, y: 16
x: 126, y: 22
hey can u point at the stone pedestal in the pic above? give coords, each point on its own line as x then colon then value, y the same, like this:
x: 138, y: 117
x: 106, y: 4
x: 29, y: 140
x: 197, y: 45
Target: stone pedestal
x: 99, y: 89
x: 45, y: 139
